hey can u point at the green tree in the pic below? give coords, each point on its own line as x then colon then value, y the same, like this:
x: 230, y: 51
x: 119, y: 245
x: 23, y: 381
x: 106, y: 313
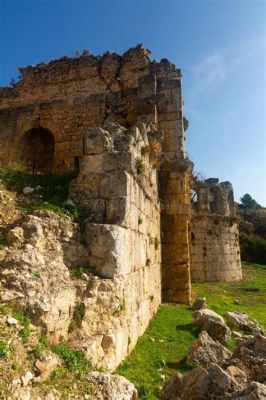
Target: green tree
x: 248, y: 202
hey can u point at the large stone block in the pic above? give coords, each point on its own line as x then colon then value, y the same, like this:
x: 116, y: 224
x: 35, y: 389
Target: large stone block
x: 107, y: 249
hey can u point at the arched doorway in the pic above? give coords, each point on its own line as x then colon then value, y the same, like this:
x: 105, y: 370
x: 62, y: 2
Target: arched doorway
x: 36, y: 150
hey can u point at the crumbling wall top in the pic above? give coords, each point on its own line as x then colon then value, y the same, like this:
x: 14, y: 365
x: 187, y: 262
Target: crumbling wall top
x: 213, y: 197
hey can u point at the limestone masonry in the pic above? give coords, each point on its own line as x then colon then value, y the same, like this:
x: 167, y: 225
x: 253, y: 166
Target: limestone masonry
x: 151, y: 227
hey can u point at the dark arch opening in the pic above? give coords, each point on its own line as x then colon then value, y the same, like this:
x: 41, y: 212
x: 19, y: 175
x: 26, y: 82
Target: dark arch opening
x: 36, y: 150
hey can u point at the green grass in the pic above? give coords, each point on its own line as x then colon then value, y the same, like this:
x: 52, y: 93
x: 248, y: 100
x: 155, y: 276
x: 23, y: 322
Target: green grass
x: 78, y: 272
x: 54, y: 191
x: 151, y: 362
x: 3, y: 349
x: 21, y: 317
x: 248, y: 295
x: 74, y: 359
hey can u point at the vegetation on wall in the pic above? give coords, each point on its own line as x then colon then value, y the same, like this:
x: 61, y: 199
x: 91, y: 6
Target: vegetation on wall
x: 252, y: 230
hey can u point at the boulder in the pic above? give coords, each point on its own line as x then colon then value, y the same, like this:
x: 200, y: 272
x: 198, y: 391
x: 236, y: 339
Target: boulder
x: 112, y: 387
x: 213, y: 323
x: 242, y: 321
x: 201, y: 384
x: 27, y: 378
x: 199, y: 304
x: 46, y: 366
x: 238, y: 320
x: 205, y: 350
x: 28, y: 190
x: 253, y: 391
x: 193, y: 385
x: 255, y: 345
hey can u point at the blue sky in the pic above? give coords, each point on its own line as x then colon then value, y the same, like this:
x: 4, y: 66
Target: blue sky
x: 220, y: 45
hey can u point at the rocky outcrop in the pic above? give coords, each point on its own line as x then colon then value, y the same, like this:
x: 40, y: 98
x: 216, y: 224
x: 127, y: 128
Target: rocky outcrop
x: 99, y: 286
x: 36, y: 270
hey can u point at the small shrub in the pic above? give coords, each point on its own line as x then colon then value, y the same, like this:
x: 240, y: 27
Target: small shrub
x: 2, y: 239
x: 140, y: 221
x: 156, y: 243
x: 5, y: 310
x: 122, y: 306
x: 78, y: 315
x: 193, y: 364
x: 74, y: 359
x: 24, y: 322
x: 143, y: 151
x: 58, y: 373
x: 14, y: 366
x: 38, y: 351
x: 43, y: 341
x: 140, y: 167
x: 83, y: 269
x: 3, y: 349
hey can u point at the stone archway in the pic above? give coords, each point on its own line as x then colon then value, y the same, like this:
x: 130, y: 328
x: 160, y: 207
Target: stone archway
x: 35, y: 150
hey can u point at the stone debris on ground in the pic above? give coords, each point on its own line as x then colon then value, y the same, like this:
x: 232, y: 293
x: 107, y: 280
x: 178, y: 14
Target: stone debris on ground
x: 223, y: 375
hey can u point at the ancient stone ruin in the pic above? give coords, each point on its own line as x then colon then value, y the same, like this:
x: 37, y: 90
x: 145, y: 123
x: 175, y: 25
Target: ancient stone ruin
x: 118, y: 121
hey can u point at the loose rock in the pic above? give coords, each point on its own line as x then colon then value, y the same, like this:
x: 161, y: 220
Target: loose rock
x: 205, y: 350
x: 112, y: 387
x: 213, y: 323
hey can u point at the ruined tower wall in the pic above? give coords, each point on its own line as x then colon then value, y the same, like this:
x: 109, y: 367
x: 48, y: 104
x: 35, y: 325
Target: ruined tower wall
x: 67, y: 96
x: 117, y: 187
x: 214, y: 249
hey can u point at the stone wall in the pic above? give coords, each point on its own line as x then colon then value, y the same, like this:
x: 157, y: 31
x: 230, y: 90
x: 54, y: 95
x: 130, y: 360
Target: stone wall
x: 67, y: 96
x: 47, y: 124
x: 117, y: 188
x: 214, y: 249
x: 47, y: 113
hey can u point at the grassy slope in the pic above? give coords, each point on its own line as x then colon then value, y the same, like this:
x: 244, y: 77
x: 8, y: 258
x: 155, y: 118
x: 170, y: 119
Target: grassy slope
x: 151, y: 361
x: 52, y: 194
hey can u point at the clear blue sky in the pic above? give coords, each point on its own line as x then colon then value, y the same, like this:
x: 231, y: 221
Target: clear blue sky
x: 220, y: 45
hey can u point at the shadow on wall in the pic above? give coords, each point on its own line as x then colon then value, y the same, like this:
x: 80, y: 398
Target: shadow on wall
x: 35, y: 150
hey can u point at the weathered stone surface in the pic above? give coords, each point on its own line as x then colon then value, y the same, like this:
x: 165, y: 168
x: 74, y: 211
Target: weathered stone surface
x: 242, y: 321
x: 214, y: 249
x: 205, y: 350
x: 238, y: 320
x: 254, y: 391
x: 193, y: 385
x: 199, y: 304
x: 46, y: 366
x: 38, y: 269
x: 213, y: 323
x: 108, y: 252
x: 112, y: 387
